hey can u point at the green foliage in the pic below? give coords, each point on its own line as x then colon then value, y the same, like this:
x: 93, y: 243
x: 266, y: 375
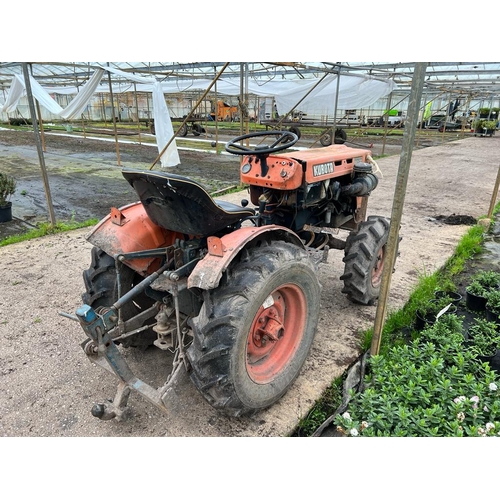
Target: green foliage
x: 485, y: 125
x: 484, y: 337
x: 493, y: 301
x: 435, y: 306
x: 483, y: 282
x: 45, y: 229
x: 322, y: 409
x: 469, y: 245
x: 430, y: 387
x: 476, y: 289
x: 7, y: 188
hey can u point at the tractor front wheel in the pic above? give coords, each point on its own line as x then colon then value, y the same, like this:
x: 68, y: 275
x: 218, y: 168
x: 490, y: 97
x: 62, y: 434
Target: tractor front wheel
x: 365, y: 258
x: 255, y: 330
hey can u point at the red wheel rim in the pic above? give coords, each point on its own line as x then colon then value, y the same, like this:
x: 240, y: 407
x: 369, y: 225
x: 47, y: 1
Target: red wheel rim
x: 378, y: 267
x: 276, y: 333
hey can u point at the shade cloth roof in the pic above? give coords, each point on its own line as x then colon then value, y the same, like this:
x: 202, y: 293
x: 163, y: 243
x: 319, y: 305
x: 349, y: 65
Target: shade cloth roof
x: 479, y: 78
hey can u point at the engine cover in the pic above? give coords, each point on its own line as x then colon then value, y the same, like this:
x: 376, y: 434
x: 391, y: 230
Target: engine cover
x: 288, y: 171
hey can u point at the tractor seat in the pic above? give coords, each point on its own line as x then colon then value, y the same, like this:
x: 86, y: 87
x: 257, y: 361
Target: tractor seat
x: 180, y: 204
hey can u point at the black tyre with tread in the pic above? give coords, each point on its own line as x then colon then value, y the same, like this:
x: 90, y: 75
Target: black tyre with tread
x: 102, y: 291
x: 364, y: 258
x: 221, y: 365
x: 183, y: 131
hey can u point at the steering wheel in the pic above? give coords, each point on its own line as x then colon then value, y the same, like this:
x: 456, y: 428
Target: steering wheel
x: 284, y: 140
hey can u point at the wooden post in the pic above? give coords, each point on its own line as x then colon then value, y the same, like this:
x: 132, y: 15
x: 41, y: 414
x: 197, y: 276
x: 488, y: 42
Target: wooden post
x: 397, y: 206
x: 494, y: 195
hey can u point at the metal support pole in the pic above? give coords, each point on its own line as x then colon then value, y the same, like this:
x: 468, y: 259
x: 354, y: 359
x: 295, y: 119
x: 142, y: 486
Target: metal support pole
x: 216, y: 118
x: 397, y: 206
x: 40, y: 121
x: 38, y: 144
x: 335, y: 107
x: 103, y: 106
x: 242, y: 109
x: 137, y: 111
x: 114, y: 118
x: 245, y: 97
x: 386, y: 122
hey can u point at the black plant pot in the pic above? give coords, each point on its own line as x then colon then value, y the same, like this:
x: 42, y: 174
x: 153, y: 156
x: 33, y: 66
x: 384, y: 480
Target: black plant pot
x: 6, y: 212
x: 453, y: 297
x: 493, y: 360
x: 492, y: 316
x: 423, y: 320
x: 475, y: 302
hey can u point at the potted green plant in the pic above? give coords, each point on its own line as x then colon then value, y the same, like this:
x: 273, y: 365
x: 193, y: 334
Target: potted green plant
x: 453, y: 296
x: 7, y: 189
x: 477, y: 291
x: 429, y: 313
x: 493, y: 306
x: 484, y: 339
x: 485, y: 127
x: 484, y: 112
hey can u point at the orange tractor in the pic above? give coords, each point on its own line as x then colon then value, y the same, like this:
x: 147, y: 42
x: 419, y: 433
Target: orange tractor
x: 229, y: 292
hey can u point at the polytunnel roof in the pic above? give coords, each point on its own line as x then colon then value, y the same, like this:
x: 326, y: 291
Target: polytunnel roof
x: 476, y: 79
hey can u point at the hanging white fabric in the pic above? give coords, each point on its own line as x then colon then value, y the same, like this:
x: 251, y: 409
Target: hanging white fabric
x: 77, y: 106
x: 163, y: 125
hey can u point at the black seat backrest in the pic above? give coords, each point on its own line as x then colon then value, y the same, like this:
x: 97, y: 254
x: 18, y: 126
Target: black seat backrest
x: 180, y: 204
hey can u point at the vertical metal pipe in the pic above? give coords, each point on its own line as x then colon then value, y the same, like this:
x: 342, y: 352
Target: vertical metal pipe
x: 216, y: 116
x: 397, y: 206
x: 103, y: 107
x: 335, y: 107
x: 42, y: 132
x: 137, y: 111
x: 386, y: 121
x: 247, y: 127
x: 40, y: 121
x: 114, y: 118
x: 38, y: 144
x: 241, y: 99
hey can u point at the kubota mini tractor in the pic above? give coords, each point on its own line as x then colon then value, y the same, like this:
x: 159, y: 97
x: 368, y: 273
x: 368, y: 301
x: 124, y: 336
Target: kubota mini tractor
x: 229, y: 292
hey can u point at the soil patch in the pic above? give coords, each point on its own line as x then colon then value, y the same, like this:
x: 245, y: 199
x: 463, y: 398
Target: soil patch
x: 454, y: 219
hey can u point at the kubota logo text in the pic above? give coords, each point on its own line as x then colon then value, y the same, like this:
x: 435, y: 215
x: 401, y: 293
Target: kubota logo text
x: 322, y: 169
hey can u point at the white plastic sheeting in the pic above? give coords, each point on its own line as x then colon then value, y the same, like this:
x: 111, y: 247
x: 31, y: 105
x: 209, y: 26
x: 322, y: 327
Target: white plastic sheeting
x: 163, y: 125
x: 319, y: 97
x: 316, y: 96
x: 355, y: 91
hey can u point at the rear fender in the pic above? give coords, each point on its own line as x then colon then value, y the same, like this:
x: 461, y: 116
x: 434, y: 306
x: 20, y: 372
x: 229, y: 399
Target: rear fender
x: 221, y: 252
x: 129, y: 229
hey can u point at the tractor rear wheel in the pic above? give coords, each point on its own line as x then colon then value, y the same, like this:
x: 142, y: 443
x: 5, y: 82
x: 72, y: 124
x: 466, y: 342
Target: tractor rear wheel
x: 365, y: 258
x: 255, y: 330
x: 101, y: 287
